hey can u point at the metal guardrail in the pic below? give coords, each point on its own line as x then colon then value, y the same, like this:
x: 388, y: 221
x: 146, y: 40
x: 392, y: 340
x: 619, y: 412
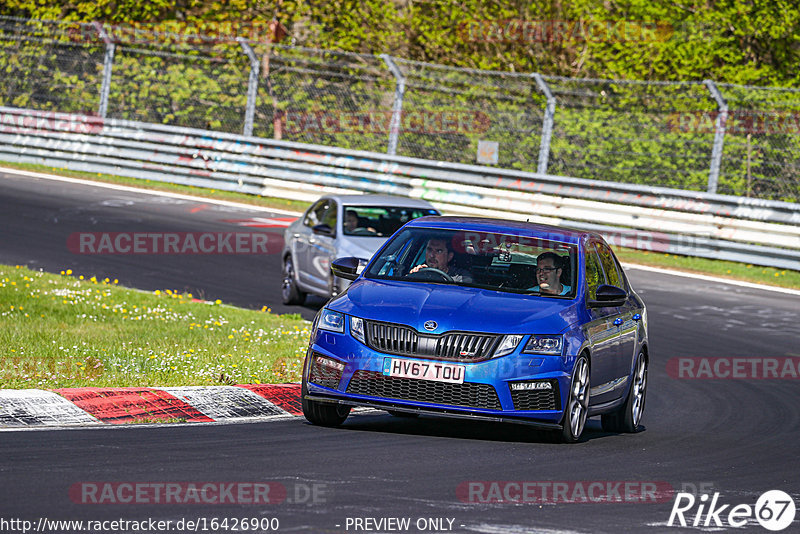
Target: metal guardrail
x: 699, y: 136
x: 754, y: 231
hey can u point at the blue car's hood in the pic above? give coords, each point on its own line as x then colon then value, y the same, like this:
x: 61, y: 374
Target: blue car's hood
x: 455, y: 308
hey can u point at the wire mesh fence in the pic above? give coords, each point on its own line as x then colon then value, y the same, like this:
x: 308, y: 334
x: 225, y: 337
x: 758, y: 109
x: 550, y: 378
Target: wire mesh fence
x: 743, y: 141
x: 625, y: 132
x: 45, y: 66
x: 323, y: 97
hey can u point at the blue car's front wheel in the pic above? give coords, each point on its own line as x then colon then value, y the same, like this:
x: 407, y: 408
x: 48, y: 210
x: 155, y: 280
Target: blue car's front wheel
x: 323, y: 413
x: 577, y: 408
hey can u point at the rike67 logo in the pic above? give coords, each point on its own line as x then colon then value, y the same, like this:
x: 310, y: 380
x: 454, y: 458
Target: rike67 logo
x: 774, y: 510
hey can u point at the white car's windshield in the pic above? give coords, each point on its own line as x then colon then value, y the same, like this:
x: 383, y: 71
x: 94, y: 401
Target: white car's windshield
x: 379, y: 221
x: 502, y: 262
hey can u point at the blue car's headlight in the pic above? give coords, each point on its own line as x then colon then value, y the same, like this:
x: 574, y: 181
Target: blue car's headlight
x: 357, y: 329
x: 508, y: 345
x: 551, y: 345
x: 332, y: 321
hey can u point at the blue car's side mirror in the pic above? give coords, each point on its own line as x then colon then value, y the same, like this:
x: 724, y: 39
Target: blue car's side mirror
x: 608, y: 296
x: 346, y: 268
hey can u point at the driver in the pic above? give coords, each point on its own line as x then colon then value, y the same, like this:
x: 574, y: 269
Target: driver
x: 350, y: 220
x: 352, y: 224
x: 439, y: 255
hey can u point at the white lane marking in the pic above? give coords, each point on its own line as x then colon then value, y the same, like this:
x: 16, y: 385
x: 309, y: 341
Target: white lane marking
x: 25, y: 407
x: 131, y: 189
x: 262, y: 222
x: 486, y: 528
x: 99, y: 425
x: 708, y: 278
x: 225, y: 402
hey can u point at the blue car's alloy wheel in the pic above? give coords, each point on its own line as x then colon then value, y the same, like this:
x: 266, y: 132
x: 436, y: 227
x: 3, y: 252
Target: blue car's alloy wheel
x: 628, y: 417
x: 577, y: 402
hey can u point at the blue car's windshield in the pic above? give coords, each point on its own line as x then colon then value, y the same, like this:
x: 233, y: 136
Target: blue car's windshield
x: 501, y: 262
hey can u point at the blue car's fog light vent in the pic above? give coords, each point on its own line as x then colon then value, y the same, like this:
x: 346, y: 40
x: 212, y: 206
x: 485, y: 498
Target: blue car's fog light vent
x: 325, y: 371
x: 535, y: 395
x: 470, y: 395
x: 405, y: 341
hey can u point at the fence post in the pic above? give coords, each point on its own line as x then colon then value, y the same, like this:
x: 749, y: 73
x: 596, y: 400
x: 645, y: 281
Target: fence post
x: 397, y: 106
x: 547, y: 124
x: 108, y: 63
x: 719, y: 136
x: 252, y: 87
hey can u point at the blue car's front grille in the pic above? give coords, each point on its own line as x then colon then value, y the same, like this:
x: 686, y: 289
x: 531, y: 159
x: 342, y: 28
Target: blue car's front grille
x: 470, y: 395
x: 402, y: 340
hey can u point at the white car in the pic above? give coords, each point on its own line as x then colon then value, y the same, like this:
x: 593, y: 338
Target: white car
x: 338, y: 226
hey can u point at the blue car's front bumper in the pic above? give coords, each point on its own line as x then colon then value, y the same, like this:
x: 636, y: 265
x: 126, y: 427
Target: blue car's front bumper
x: 357, y: 378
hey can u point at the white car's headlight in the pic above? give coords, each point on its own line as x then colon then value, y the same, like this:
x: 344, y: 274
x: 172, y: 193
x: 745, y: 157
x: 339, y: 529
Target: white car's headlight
x: 508, y: 344
x: 331, y: 321
x: 357, y: 329
x: 539, y: 344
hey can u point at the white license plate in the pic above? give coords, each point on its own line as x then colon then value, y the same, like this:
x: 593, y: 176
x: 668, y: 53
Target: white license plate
x: 438, y: 371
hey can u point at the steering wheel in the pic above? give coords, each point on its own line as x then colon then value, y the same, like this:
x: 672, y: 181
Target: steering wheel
x: 362, y: 231
x: 432, y: 274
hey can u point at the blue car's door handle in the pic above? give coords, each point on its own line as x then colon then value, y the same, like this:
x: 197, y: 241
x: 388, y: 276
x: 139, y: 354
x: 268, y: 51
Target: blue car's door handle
x: 618, y: 321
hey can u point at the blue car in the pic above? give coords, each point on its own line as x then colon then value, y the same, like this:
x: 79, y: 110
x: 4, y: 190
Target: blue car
x: 483, y: 319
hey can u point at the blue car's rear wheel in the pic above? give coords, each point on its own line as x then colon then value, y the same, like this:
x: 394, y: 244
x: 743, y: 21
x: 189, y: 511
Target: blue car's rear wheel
x: 577, y: 408
x: 629, y: 415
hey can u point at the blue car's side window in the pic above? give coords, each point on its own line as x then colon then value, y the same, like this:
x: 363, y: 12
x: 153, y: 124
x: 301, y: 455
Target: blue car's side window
x: 609, y: 265
x: 594, y: 272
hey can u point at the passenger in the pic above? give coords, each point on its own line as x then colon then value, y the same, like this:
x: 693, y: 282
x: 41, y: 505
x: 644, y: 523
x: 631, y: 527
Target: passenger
x: 439, y: 255
x: 548, y: 274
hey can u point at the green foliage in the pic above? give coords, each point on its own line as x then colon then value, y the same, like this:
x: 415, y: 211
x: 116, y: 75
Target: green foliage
x: 735, y: 41
x: 609, y: 131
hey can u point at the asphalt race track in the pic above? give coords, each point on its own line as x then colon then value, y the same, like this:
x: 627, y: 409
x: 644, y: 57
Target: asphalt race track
x: 738, y: 437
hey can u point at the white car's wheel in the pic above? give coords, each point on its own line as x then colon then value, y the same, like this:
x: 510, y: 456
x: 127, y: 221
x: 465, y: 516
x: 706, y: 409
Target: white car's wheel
x: 290, y: 293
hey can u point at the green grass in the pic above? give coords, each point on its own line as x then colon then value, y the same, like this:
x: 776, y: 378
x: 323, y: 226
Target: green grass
x: 724, y: 269
x: 61, y: 331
